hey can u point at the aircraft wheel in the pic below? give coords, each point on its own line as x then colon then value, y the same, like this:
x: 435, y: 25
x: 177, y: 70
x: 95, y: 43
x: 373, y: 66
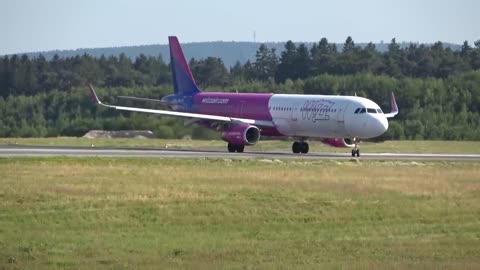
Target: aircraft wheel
x: 231, y: 148
x: 353, y: 152
x: 358, y: 152
x: 296, y: 147
x: 235, y: 148
x: 240, y: 148
x: 304, y: 148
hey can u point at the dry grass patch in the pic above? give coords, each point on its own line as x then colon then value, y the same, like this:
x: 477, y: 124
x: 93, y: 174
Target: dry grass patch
x: 207, y: 213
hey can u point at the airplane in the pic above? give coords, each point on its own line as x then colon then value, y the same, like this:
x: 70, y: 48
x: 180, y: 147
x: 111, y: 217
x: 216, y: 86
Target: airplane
x: 243, y: 118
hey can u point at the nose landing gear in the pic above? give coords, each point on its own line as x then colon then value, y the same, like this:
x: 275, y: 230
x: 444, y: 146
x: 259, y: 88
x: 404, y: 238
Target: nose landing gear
x: 300, y: 147
x: 356, y: 149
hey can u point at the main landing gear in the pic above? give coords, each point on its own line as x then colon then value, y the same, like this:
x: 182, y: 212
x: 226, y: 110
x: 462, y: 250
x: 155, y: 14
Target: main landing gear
x: 300, y: 147
x: 235, y: 148
x: 356, y: 149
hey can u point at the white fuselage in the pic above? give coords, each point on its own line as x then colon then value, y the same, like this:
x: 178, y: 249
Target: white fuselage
x: 318, y: 116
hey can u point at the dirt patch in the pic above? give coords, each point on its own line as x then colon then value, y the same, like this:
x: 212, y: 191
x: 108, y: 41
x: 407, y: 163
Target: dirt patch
x: 137, y: 134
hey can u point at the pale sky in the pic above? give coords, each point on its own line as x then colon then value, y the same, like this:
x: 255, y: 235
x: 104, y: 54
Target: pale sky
x: 42, y: 25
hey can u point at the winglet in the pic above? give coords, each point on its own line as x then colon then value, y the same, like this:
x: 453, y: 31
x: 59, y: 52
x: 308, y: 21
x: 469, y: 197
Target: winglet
x: 93, y: 95
x: 393, y: 107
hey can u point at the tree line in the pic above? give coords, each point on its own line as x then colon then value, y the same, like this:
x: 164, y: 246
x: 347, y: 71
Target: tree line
x: 20, y: 75
x: 437, y: 89
x: 417, y: 61
x: 430, y: 108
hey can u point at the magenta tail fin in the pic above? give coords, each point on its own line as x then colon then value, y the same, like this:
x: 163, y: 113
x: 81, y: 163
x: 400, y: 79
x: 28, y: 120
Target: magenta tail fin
x: 183, y: 81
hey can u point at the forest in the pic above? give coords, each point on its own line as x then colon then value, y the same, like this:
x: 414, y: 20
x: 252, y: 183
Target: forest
x: 437, y: 88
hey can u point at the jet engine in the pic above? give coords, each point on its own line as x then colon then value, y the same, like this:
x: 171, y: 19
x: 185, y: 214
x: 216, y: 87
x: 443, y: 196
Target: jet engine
x: 338, y: 142
x: 242, y: 135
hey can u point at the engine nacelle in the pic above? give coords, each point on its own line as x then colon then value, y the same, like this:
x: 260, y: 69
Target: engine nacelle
x: 242, y: 135
x: 338, y: 142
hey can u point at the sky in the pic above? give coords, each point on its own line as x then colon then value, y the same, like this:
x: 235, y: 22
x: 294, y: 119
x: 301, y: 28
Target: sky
x: 43, y: 25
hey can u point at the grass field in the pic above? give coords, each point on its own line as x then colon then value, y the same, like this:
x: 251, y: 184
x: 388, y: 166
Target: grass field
x: 99, y: 213
x: 446, y: 147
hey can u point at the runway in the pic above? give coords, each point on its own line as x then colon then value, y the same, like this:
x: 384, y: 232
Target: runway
x: 55, y: 151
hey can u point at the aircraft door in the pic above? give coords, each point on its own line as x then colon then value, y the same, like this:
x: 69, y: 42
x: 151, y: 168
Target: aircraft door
x: 294, y: 122
x: 241, y: 109
x: 341, y: 112
x: 295, y: 109
x: 340, y: 123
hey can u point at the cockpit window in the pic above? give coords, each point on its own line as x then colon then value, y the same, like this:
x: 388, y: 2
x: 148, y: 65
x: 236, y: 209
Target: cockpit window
x: 363, y: 110
x: 370, y: 110
x: 379, y: 110
x: 357, y: 110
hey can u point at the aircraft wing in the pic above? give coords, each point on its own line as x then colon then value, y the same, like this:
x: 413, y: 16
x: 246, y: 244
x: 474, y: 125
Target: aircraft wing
x: 224, y: 119
x: 143, y: 99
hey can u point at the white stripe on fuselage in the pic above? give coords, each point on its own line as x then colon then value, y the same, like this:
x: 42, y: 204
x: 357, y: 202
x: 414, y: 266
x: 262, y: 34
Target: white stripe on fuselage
x: 321, y: 116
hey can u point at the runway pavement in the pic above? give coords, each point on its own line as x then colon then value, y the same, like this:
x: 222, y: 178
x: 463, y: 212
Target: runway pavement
x: 45, y: 151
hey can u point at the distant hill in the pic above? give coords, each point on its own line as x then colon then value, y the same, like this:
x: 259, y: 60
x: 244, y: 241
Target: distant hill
x: 229, y: 52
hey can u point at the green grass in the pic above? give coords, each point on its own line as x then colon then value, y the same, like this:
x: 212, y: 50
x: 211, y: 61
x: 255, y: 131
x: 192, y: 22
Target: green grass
x: 446, y: 147
x: 99, y: 213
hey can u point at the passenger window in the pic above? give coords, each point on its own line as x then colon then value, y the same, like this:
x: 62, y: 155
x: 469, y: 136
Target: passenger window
x: 370, y: 110
x: 357, y: 110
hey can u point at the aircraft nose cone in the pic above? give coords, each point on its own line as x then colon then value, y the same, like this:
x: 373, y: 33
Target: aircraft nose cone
x: 370, y: 126
x: 377, y: 126
x: 381, y: 125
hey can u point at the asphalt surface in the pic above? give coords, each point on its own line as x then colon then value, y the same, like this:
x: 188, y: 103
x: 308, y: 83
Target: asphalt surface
x: 46, y: 151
